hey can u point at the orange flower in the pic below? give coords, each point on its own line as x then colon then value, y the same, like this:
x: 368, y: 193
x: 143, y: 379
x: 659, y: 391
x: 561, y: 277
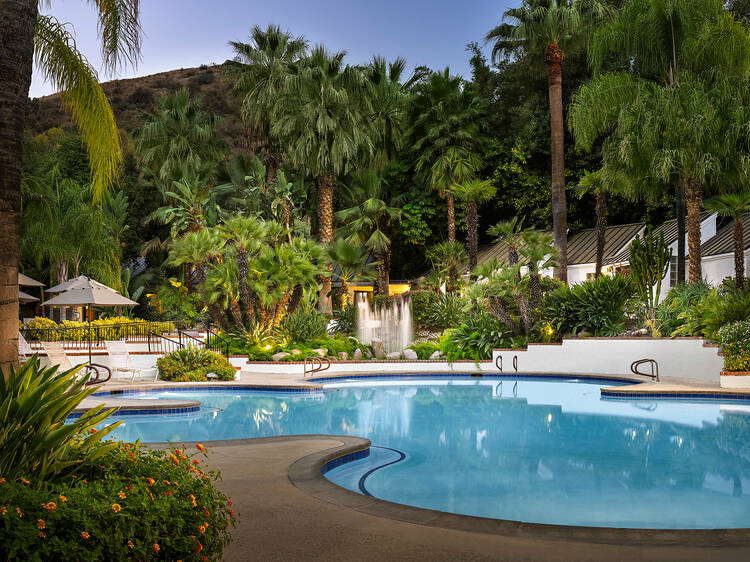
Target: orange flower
x: 41, y: 535
x: 206, y: 512
x: 231, y: 512
x: 156, y: 547
x: 84, y: 481
x: 50, y: 506
x: 152, y: 496
x: 196, y: 461
x: 116, y: 507
x: 178, y: 452
x: 3, y: 510
x: 204, y: 558
x: 167, y: 482
x: 24, y: 481
x: 2, y: 480
x: 174, y: 459
x: 202, y: 528
x: 200, y: 447
x: 130, y: 544
x: 192, y: 500
x: 20, y: 513
x: 62, y: 498
x: 92, y: 430
x: 40, y: 524
x: 229, y: 502
x: 198, y: 547
x: 121, y: 494
x: 85, y: 535
x: 151, y: 481
x: 168, y: 493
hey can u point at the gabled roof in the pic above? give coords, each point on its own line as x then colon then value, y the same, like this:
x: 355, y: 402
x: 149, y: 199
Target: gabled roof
x: 723, y: 241
x: 669, y: 228
x: 582, y: 245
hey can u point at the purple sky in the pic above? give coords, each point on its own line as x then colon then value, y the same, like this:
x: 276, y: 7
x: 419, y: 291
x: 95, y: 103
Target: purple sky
x: 186, y: 33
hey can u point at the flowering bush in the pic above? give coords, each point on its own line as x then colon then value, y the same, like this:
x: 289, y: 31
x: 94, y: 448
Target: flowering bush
x: 192, y: 364
x: 132, y: 504
x: 114, y: 328
x: 735, y: 345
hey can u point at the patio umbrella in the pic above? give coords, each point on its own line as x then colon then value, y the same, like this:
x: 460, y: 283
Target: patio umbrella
x: 78, y: 282
x: 26, y: 281
x: 87, y: 292
x: 25, y: 297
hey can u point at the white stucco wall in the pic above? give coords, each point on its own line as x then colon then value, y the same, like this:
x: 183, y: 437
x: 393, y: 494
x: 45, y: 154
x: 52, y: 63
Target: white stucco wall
x: 718, y: 268
x: 677, y: 358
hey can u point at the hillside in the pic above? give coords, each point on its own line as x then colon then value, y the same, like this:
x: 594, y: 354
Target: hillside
x: 132, y: 97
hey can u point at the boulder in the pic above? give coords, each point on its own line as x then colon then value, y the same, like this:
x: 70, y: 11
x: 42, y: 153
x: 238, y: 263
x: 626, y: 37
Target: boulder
x: 321, y: 352
x: 296, y: 352
x: 410, y: 354
x: 394, y: 355
x: 357, y: 355
x: 343, y: 355
x: 280, y: 355
x: 378, y: 348
x: 437, y: 354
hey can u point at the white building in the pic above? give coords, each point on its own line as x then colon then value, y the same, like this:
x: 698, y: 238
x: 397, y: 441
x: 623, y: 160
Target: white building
x: 717, y: 253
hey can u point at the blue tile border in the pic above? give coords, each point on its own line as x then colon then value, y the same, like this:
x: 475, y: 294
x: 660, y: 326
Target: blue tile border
x: 233, y: 388
x: 687, y: 395
x: 344, y: 459
x: 147, y: 412
x: 427, y: 375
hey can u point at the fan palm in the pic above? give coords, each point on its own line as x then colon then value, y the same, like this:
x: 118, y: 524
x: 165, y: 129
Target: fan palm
x: 510, y: 233
x: 27, y: 37
x: 472, y: 193
x: 322, y: 127
x: 734, y: 205
x: 445, y: 258
x: 350, y: 261
x: 246, y: 235
x: 261, y: 68
x: 549, y: 26
x: 446, y: 136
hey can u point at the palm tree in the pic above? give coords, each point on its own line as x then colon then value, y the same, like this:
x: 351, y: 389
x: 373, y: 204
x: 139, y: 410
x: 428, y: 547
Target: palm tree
x: 28, y: 36
x: 685, y: 59
x: 446, y: 136
x: 471, y: 193
x: 261, y: 68
x: 322, y: 127
x: 369, y: 223
x: 510, y: 233
x: 350, y: 261
x: 178, y: 136
x: 445, y: 258
x: 734, y: 205
x: 592, y: 182
x: 246, y: 234
x: 549, y: 26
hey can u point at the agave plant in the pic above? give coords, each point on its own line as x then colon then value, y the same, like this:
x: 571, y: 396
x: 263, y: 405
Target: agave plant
x: 36, y: 442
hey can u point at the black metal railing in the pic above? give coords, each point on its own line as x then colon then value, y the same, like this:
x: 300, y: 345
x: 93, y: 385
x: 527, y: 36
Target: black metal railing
x: 216, y: 343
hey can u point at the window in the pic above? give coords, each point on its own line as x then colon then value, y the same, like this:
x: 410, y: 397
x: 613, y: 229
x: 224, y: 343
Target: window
x: 673, y: 271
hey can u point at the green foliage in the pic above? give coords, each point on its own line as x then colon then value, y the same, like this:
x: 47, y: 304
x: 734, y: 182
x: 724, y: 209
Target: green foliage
x: 35, y: 403
x: 118, y: 508
x: 110, y: 328
x: 190, y: 364
x: 346, y: 320
x: 649, y: 263
x: 303, y: 325
x: 735, y: 346
x: 475, y: 338
x: 678, y: 300
x: 594, y: 306
x: 712, y: 311
x: 425, y: 349
x: 447, y: 311
x: 332, y: 346
x: 421, y: 302
x: 174, y: 302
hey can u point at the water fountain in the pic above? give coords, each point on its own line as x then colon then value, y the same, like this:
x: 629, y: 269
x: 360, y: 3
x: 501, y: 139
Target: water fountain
x: 392, y: 325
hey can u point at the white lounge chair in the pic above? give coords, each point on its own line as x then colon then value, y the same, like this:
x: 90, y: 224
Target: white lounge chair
x: 56, y: 356
x: 119, y: 359
x: 24, y: 349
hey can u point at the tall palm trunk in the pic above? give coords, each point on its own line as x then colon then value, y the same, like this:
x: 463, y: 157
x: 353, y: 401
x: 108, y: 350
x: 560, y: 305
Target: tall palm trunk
x: 387, y: 278
x: 694, y: 202
x: 554, y: 57
x: 739, y: 253
x: 234, y: 308
x: 344, y: 294
x: 325, y: 234
x: 242, y: 270
x: 382, y: 271
x: 281, y: 308
x: 680, y: 211
x: 601, y: 229
x: 449, y: 201
x: 296, y: 299
x: 17, y: 24
x: 472, y: 239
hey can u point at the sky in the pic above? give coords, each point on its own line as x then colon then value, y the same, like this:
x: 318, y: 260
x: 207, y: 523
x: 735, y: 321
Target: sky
x: 188, y: 33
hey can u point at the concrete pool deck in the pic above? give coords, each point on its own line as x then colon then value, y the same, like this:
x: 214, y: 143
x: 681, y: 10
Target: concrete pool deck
x: 288, y: 511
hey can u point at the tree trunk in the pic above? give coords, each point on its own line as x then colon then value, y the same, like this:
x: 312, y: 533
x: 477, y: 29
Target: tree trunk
x: 218, y: 317
x: 281, y: 309
x: 325, y: 235
x: 739, y: 253
x: 496, y: 307
x: 17, y: 25
x: 694, y: 202
x: 524, y: 310
x: 387, y: 278
x: 272, y: 167
x: 601, y: 229
x: 554, y: 57
x: 535, y: 289
x: 680, y: 212
x: 242, y: 271
x: 234, y: 308
x: 344, y: 294
x: 472, y: 239
x: 297, y: 295
x: 382, y: 274
x: 451, y: 217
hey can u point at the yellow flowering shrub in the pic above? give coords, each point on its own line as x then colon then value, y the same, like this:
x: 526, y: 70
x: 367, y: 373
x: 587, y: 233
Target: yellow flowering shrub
x: 114, y: 328
x: 735, y: 346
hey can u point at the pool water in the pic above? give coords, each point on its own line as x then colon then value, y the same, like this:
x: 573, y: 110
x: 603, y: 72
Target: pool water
x: 542, y: 451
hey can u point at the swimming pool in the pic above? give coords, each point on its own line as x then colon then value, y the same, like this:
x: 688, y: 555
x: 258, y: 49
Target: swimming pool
x: 534, y: 450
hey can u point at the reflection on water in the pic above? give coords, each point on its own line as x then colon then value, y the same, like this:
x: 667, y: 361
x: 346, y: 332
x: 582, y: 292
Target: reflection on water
x: 539, y: 451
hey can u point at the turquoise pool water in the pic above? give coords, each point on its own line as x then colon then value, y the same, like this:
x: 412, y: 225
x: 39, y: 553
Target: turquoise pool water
x: 543, y: 451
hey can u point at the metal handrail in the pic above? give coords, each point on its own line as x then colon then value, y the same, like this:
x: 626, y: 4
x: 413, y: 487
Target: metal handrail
x: 499, y: 363
x: 316, y: 365
x: 654, y: 368
x: 220, y: 342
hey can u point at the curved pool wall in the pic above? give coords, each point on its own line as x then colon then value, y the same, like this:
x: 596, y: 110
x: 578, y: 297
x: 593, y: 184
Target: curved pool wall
x: 526, y: 449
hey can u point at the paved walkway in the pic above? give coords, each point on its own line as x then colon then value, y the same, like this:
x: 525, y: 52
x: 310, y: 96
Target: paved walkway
x: 279, y: 521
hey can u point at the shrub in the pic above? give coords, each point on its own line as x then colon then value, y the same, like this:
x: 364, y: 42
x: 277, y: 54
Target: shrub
x: 303, y: 325
x: 474, y: 339
x: 420, y: 305
x: 448, y: 311
x: 677, y: 301
x: 34, y: 439
x: 346, y: 320
x: 193, y: 364
x: 713, y: 311
x: 132, y: 504
x: 735, y: 346
x: 113, y: 328
x: 37, y: 328
x: 425, y: 349
x: 594, y: 306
